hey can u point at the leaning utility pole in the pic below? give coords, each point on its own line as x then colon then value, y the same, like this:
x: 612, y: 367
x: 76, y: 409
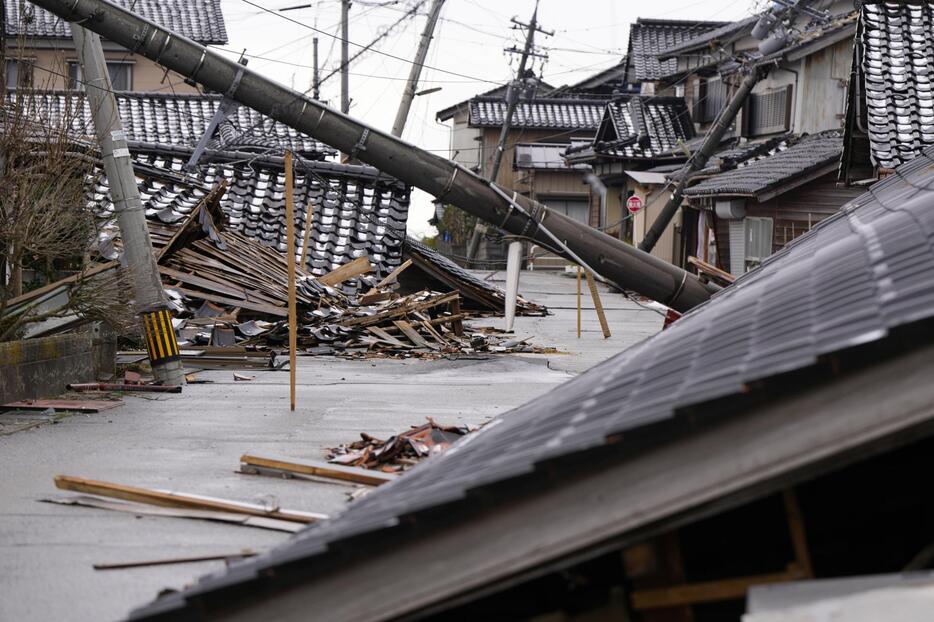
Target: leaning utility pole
x: 445, y: 180
x: 412, y: 85
x: 699, y: 159
x: 512, y: 99
x: 345, y: 54
x: 131, y: 218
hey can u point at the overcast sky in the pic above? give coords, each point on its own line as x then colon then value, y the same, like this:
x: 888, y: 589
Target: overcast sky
x: 466, y: 56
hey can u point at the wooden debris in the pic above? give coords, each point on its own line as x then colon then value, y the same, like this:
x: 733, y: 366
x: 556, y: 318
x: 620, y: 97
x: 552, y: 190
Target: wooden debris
x: 166, y: 498
x: 149, y: 510
x: 139, y: 388
x: 242, y: 377
x: 250, y: 463
x: 81, y: 406
x: 175, y: 560
x: 360, y: 265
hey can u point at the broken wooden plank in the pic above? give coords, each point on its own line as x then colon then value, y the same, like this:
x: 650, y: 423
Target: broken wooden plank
x: 412, y: 334
x: 710, y: 269
x: 401, y: 310
x: 380, y: 333
x: 252, y: 306
x: 319, y: 469
x: 81, y: 406
x: 392, y: 276
x: 244, y: 520
x: 360, y: 265
x: 175, y: 560
x: 167, y: 498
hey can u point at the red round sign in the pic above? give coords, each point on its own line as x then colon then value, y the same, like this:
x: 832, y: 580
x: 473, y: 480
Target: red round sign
x: 634, y: 204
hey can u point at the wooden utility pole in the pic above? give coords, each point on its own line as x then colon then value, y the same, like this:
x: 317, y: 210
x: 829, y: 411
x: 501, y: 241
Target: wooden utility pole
x: 131, y: 218
x: 290, y: 253
x: 512, y: 99
x: 345, y: 54
x: 402, y: 114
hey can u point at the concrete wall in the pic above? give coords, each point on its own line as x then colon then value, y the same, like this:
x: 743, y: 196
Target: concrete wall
x: 51, y: 69
x: 34, y: 368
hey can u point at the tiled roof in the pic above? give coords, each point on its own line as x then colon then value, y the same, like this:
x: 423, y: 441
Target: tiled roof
x: 563, y: 114
x: 859, y: 279
x: 640, y: 127
x: 201, y: 20
x: 704, y: 40
x: 897, y: 61
x: 355, y: 211
x: 763, y: 172
x: 169, y: 119
x: 540, y: 86
x: 648, y: 37
x: 602, y: 82
x: 734, y: 153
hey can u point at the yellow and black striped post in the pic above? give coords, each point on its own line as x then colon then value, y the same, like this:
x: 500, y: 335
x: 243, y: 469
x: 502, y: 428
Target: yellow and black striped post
x: 160, y: 337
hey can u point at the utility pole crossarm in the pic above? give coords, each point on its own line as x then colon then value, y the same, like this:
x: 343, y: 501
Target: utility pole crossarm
x: 436, y: 175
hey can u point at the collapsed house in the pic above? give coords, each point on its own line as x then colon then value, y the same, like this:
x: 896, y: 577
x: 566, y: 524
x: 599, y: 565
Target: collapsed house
x: 772, y: 434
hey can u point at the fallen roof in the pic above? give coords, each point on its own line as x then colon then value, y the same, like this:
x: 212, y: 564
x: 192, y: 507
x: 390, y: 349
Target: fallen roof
x: 856, y: 283
x: 355, y: 210
x: 170, y: 119
x: 471, y: 287
x: 649, y: 37
x: 895, y: 67
x: 200, y: 20
x: 784, y: 166
x: 539, y: 113
x: 639, y: 127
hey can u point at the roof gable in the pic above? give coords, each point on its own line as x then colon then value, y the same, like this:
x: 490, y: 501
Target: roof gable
x: 649, y: 37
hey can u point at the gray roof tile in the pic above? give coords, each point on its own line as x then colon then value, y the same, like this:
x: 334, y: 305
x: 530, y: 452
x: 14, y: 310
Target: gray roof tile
x: 355, y: 211
x: 169, y: 119
x: 852, y: 280
x: 543, y: 113
x: 897, y: 68
x: 649, y: 37
x: 756, y: 172
x: 200, y: 20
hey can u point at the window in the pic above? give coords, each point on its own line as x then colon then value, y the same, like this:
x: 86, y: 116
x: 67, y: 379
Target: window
x: 18, y: 74
x: 121, y: 75
x: 750, y: 243
x: 711, y: 97
x: 578, y: 209
x: 768, y: 113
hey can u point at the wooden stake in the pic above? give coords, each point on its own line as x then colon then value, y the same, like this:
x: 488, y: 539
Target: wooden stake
x: 309, y: 212
x: 290, y: 251
x: 578, y: 302
x: 598, y: 305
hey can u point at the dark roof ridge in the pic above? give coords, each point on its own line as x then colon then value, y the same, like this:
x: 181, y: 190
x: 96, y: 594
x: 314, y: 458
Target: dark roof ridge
x: 680, y: 22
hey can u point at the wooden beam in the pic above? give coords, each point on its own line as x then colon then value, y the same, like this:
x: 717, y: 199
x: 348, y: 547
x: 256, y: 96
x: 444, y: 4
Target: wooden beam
x: 706, y: 592
x: 309, y: 212
x: 392, y: 276
x: 290, y: 254
x: 171, y: 499
x: 712, y: 270
x: 799, y: 539
x: 360, y: 265
x: 319, y: 469
x: 598, y: 305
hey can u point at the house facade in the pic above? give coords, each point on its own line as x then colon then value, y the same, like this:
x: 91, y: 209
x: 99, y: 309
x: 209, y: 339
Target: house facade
x: 40, y: 52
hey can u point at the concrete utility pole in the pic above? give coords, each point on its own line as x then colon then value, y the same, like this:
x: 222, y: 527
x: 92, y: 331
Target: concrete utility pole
x: 699, y: 159
x: 436, y: 175
x: 315, y: 79
x: 137, y: 247
x: 402, y: 114
x: 512, y: 100
x: 345, y: 54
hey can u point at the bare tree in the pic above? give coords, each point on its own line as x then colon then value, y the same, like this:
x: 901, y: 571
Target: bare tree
x: 45, y: 218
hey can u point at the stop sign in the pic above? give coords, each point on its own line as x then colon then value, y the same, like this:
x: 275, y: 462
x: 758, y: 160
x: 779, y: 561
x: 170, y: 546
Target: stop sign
x: 634, y: 204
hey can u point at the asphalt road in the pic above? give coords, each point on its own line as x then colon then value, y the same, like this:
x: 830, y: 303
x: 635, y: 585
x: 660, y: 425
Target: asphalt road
x: 192, y: 442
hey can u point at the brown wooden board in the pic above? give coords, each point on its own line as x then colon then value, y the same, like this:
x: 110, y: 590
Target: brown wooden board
x: 81, y: 406
x: 320, y: 469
